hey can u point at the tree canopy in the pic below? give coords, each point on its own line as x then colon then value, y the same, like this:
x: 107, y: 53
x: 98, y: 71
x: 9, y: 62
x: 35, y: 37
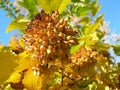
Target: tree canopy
x: 61, y: 47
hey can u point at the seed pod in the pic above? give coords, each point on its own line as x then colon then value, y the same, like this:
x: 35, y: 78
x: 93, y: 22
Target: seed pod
x: 49, y: 37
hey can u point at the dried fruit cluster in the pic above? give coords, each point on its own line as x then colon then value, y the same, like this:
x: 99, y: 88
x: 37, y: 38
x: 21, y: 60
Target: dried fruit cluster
x: 49, y: 38
x: 84, y: 58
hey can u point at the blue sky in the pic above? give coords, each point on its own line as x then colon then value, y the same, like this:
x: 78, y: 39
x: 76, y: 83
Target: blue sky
x: 110, y: 8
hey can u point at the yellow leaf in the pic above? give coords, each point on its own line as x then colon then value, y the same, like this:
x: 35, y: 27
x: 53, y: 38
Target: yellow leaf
x: 32, y: 81
x: 13, y: 42
x: 63, y: 5
x: 15, y: 77
x: 45, y: 4
x: 25, y: 61
x: 1, y: 46
x: 17, y: 24
x: 91, y: 28
x: 7, y: 65
x: 54, y: 4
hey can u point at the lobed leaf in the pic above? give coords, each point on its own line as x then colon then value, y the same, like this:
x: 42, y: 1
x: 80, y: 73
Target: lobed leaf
x: 24, y: 63
x: 32, y: 81
x: 7, y: 65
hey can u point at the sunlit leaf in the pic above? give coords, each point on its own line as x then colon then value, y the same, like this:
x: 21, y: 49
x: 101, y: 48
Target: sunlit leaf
x: 45, y: 4
x: 116, y: 49
x: 63, y: 5
x: 32, y: 81
x: 94, y: 36
x: 15, y: 77
x: 99, y: 19
x: 81, y: 11
x: 7, y: 65
x: 23, y: 20
x: 100, y: 34
x: 17, y: 24
x: 25, y: 61
x: 52, y: 5
x: 94, y: 3
x: 84, y: 20
x: 96, y: 10
x: 101, y: 46
x: 30, y: 5
x: 1, y: 47
x: 90, y: 29
x: 90, y: 39
x: 13, y: 42
x: 75, y: 48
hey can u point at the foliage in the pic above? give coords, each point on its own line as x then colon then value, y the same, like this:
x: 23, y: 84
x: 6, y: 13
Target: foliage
x: 30, y: 5
x: 8, y: 6
x: 61, y: 48
x: 17, y: 23
x: 53, y: 5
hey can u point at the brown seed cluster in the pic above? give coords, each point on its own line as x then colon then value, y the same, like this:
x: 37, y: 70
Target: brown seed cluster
x: 84, y: 58
x: 49, y: 38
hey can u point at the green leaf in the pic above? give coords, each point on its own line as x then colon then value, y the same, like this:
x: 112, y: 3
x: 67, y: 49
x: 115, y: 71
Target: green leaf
x: 116, y: 49
x: 75, y: 48
x: 81, y: 11
x: 99, y: 19
x: 91, y: 28
x: 21, y: 4
x: 92, y: 86
x: 53, y: 5
x: 85, y: 20
x: 18, y: 23
x: 87, y: 1
x: 45, y: 4
x: 100, y: 34
x: 96, y: 10
x: 7, y: 65
x: 101, y: 46
x: 94, y: 3
x: 30, y: 5
x: 63, y: 5
x: 75, y: 1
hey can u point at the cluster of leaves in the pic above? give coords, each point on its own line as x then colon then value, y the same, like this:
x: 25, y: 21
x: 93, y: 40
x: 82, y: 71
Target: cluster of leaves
x: 90, y: 58
x: 7, y: 6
